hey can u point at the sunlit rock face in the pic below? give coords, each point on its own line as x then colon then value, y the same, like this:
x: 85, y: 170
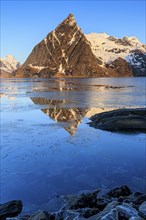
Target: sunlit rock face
x: 120, y: 67
x: 64, y: 52
x: 69, y: 118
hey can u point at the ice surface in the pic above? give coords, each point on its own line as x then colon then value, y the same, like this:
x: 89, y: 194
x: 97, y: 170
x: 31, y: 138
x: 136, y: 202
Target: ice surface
x: 44, y: 155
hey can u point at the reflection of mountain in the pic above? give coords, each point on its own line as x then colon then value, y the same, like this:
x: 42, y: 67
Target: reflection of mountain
x: 69, y: 118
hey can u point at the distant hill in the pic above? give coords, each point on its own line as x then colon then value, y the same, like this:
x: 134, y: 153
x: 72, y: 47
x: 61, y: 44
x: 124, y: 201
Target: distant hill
x: 8, y: 65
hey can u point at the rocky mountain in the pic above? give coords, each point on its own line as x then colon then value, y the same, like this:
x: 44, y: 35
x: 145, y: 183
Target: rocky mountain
x: 8, y: 65
x: 64, y: 52
x: 67, y: 52
x: 111, y: 50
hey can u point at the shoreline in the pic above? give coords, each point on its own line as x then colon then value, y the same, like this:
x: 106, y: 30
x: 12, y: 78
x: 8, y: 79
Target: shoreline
x: 118, y: 203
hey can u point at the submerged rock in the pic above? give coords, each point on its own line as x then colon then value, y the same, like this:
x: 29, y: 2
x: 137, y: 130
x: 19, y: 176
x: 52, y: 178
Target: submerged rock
x: 121, y: 120
x: 82, y: 201
x: 10, y: 209
x: 140, y: 199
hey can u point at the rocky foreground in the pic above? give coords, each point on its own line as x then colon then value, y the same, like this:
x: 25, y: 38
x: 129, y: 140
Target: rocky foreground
x: 121, y: 120
x: 119, y: 203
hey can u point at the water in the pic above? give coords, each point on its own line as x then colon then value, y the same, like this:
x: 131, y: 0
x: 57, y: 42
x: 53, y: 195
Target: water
x: 47, y: 147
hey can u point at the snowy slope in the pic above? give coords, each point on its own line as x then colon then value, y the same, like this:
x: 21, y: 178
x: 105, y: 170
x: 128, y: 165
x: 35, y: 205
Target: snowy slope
x: 109, y: 48
x: 8, y: 64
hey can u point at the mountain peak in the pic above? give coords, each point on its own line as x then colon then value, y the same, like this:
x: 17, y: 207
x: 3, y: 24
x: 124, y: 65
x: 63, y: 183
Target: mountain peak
x: 70, y: 20
x: 64, y: 52
x: 8, y: 64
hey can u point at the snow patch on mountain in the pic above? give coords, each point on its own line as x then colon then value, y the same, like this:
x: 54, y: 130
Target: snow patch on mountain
x: 8, y: 64
x: 110, y: 48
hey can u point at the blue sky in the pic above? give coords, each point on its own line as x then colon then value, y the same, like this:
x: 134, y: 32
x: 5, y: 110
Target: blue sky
x: 25, y: 23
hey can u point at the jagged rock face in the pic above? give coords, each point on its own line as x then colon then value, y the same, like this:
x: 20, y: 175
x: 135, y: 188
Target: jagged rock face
x: 137, y: 60
x: 8, y: 64
x: 119, y: 67
x: 64, y: 52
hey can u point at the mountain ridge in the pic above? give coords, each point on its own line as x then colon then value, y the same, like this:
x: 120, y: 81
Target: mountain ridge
x: 8, y: 64
x: 65, y: 51
x: 68, y: 52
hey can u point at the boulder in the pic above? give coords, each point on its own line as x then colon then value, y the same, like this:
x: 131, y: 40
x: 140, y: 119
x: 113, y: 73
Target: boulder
x: 142, y: 210
x: 10, y: 209
x: 82, y: 201
x: 41, y: 215
x: 121, y: 120
x: 126, y: 211
x: 119, y: 191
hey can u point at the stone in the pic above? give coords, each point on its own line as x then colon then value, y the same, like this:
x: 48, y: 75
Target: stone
x: 41, y: 215
x: 142, y: 210
x: 70, y: 215
x: 102, y: 202
x: 121, y: 120
x: 108, y: 211
x: 140, y: 58
x: 119, y: 191
x: 108, y: 216
x: 10, y: 209
x: 126, y: 211
x: 88, y: 212
x: 82, y: 201
x: 140, y: 199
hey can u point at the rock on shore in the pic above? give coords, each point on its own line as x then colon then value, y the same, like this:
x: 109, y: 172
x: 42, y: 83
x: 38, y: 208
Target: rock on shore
x: 120, y: 120
x: 10, y: 209
x: 117, y: 204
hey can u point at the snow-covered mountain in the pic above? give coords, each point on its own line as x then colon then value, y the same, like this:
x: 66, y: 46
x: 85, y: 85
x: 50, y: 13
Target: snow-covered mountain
x: 8, y: 64
x: 108, y: 49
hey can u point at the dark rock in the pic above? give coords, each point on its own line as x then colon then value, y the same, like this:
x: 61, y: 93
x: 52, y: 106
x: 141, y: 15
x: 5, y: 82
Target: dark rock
x: 119, y: 191
x: 108, y: 212
x: 121, y: 120
x: 88, y: 212
x: 120, y: 67
x: 82, y: 201
x: 10, y: 209
x: 102, y: 202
